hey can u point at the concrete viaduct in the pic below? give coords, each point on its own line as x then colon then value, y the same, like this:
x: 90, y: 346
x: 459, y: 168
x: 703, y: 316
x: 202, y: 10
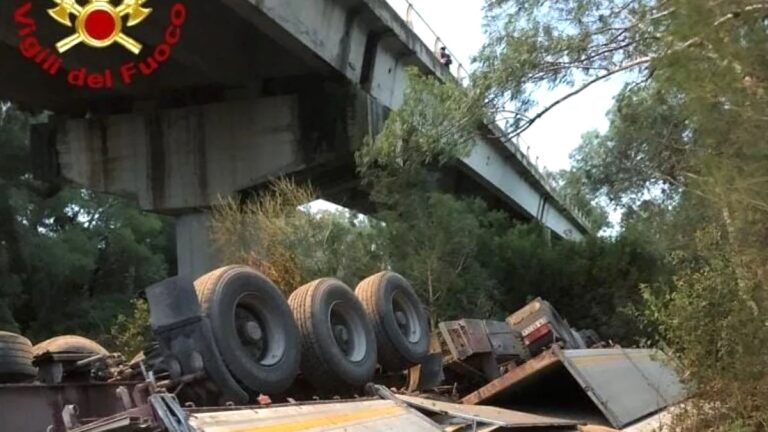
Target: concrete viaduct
x: 243, y: 91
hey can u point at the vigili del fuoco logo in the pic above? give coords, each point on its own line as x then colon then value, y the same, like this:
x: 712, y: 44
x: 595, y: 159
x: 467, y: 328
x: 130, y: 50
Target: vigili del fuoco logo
x: 97, y: 25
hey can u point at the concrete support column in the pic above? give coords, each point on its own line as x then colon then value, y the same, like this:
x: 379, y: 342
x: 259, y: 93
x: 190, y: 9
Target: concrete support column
x: 194, y: 248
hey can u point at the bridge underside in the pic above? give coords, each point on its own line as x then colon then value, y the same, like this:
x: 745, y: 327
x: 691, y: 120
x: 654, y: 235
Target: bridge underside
x: 253, y: 90
x: 219, y: 51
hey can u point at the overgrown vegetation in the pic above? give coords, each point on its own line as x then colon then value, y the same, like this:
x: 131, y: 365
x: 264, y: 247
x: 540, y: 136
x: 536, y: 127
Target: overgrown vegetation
x: 131, y: 333
x: 685, y: 159
x: 464, y: 258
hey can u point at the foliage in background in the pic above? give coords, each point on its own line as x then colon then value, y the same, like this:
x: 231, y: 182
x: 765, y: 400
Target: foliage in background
x: 685, y: 159
x: 464, y: 259
x: 70, y: 260
x: 576, y: 186
x: 440, y: 243
x: 436, y: 123
x: 13, y: 157
x: 469, y: 260
x: 711, y: 310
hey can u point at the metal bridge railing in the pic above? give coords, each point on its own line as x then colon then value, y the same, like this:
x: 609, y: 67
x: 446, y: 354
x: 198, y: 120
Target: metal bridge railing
x: 421, y: 27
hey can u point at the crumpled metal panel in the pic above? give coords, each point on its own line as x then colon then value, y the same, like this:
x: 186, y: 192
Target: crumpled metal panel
x: 625, y: 384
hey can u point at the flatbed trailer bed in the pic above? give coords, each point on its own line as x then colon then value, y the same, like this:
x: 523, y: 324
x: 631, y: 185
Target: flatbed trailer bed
x: 382, y: 412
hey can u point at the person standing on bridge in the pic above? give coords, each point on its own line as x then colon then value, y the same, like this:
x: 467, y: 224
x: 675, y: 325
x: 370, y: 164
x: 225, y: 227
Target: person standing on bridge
x: 445, y: 58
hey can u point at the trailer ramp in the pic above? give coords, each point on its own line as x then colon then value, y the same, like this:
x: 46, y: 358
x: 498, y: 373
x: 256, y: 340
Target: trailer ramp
x: 398, y: 414
x: 621, y: 385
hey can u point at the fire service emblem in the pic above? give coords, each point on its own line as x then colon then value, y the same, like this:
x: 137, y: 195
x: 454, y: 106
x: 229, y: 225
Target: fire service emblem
x: 99, y: 24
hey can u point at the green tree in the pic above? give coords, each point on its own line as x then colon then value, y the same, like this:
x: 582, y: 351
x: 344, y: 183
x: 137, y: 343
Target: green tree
x: 12, y: 160
x: 131, y: 333
x: 708, y: 316
x: 576, y: 187
x: 684, y: 157
x: 432, y: 238
x: 468, y: 260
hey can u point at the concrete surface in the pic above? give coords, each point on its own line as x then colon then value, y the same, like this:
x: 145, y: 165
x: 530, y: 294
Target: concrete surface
x: 254, y: 90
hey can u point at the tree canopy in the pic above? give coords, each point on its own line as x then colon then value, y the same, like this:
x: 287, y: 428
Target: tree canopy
x: 684, y: 160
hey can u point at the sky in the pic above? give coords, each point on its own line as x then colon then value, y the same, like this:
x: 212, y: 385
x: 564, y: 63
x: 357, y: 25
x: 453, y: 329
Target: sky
x: 458, y: 23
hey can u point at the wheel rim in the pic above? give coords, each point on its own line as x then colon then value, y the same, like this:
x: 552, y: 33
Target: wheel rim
x: 258, y: 330
x: 348, y: 331
x: 406, y: 317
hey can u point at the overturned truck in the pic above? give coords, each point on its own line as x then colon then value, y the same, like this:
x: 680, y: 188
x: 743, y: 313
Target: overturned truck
x: 231, y: 353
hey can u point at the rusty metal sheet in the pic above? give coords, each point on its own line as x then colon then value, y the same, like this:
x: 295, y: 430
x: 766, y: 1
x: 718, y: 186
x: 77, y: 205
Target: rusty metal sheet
x: 465, y: 338
x: 351, y: 416
x: 468, y: 337
x: 498, y: 387
x: 487, y: 414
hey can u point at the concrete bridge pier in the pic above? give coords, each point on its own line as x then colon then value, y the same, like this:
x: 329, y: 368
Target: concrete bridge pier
x: 182, y: 161
x: 195, y: 251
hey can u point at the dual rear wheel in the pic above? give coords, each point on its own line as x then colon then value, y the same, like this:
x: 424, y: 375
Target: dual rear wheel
x: 338, y: 346
x: 335, y: 336
x: 254, y: 329
x: 399, y: 320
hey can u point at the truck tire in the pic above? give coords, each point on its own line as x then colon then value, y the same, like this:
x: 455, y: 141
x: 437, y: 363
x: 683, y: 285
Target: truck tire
x: 69, y: 344
x: 337, y: 342
x: 399, y: 320
x: 254, y: 329
x: 15, y: 359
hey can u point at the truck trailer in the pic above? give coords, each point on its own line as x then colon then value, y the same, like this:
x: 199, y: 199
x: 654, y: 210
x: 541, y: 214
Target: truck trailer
x: 230, y: 353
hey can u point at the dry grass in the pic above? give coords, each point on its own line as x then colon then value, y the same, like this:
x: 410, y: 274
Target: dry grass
x: 292, y: 246
x: 255, y: 233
